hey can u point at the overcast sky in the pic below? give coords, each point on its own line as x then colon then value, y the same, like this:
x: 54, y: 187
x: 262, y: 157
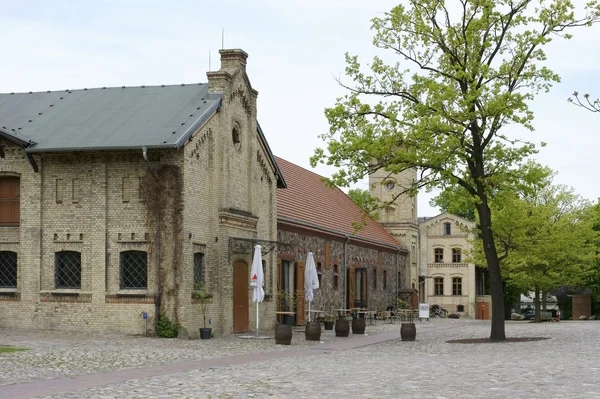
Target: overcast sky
x: 296, y: 50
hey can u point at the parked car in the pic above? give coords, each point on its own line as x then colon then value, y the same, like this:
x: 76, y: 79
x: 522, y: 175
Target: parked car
x: 529, y: 314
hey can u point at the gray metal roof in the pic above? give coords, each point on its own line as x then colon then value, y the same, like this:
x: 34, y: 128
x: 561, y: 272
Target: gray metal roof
x: 106, y: 118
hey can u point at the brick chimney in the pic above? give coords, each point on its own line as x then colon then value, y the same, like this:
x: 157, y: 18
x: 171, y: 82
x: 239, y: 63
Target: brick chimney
x: 232, y: 61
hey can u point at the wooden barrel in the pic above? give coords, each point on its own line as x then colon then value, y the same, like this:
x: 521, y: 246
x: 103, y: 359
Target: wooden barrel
x: 342, y: 328
x: 358, y: 325
x: 312, y: 331
x: 408, y: 332
x: 283, y: 334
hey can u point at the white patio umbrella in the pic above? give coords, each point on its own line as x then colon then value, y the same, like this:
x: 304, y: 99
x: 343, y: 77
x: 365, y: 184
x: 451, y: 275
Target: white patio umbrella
x: 311, y: 280
x: 257, y: 280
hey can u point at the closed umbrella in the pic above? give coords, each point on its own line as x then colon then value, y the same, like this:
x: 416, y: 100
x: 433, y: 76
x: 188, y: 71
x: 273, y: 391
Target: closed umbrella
x: 311, y: 280
x: 257, y: 280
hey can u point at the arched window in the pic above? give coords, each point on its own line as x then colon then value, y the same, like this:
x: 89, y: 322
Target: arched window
x: 319, y: 272
x: 374, y: 279
x: 67, y: 273
x: 385, y: 279
x: 134, y: 270
x: 8, y: 269
x: 336, y: 277
x: 198, y: 270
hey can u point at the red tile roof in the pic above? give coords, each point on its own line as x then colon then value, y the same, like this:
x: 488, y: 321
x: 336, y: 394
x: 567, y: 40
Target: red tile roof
x: 309, y: 202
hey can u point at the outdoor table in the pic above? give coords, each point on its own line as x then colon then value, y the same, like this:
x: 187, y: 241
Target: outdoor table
x: 341, y: 312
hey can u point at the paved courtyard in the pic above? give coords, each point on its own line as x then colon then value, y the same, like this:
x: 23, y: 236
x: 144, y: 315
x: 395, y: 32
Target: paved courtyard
x: 76, y: 365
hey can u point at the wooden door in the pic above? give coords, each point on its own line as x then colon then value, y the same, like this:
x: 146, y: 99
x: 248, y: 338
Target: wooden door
x: 241, y: 284
x: 299, y: 282
x: 351, y: 277
x: 483, y: 310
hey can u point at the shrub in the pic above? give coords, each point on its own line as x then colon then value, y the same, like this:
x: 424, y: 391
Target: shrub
x: 166, y: 328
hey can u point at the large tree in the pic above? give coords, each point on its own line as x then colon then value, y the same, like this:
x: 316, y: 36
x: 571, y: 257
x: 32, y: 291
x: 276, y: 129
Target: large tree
x: 475, y: 66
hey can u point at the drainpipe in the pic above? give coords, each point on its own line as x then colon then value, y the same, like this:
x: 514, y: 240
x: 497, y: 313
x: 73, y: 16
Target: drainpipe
x: 397, y: 280
x: 156, y: 245
x: 346, y: 270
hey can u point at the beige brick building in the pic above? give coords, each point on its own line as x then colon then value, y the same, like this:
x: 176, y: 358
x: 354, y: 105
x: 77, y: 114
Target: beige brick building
x: 449, y: 278
x: 116, y: 203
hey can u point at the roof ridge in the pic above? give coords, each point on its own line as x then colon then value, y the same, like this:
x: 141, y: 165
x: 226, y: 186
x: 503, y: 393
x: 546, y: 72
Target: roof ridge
x: 104, y: 88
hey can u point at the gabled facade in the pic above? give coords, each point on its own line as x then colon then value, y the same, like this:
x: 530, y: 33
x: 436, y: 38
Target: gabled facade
x: 359, y: 265
x: 449, y: 278
x: 116, y: 204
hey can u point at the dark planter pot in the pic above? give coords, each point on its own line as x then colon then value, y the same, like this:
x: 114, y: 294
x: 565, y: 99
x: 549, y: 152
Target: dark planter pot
x: 313, y: 331
x: 283, y: 334
x: 358, y: 325
x: 408, y: 332
x: 289, y: 319
x: 205, y: 333
x: 342, y: 328
x: 328, y: 325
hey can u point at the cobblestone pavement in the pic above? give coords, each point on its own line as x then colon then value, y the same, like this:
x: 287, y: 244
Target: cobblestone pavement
x: 564, y: 366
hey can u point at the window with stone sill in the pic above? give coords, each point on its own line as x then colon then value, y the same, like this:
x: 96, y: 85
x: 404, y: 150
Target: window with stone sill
x: 134, y: 270
x: 438, y: 286
x: 67, y: 270
x: 456, y: 255
x: 8, y: 269
x: 10, y: 201
x: 447, y: 229
x: 438, y: 255
x: 198, y: 270
x: 456, y: 286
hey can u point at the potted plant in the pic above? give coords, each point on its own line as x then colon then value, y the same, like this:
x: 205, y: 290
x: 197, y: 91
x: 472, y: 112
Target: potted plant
x: 408, y: 330
x: 203, y: 298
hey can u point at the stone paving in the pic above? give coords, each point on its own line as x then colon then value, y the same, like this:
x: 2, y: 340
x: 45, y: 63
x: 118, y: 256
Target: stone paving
x: 564, y: 366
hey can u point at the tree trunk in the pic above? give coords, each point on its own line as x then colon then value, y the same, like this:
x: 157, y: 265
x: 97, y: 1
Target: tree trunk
x: 544, y: 298
x: 538, y: 316
x: 491, y: 256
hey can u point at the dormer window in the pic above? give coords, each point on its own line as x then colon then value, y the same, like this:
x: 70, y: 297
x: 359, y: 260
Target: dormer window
x: 447, y: 229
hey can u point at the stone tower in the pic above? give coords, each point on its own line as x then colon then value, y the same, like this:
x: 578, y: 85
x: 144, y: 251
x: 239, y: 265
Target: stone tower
x: 400, y: 218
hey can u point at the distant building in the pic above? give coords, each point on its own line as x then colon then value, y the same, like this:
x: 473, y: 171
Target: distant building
x: 450, y: 280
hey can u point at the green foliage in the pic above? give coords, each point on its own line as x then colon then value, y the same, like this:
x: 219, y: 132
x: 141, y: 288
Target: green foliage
x: 365, y: 201
x: 165, y: 328
x: 544, y: 237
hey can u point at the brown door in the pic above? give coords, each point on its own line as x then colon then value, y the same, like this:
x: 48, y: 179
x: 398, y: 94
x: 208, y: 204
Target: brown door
x: 351, y: 276
x: 300, y: 318
x: 483, y: 310
x: 241, y: 284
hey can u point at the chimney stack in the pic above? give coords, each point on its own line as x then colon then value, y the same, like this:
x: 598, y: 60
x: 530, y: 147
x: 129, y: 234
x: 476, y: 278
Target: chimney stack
x: 232, y: 61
